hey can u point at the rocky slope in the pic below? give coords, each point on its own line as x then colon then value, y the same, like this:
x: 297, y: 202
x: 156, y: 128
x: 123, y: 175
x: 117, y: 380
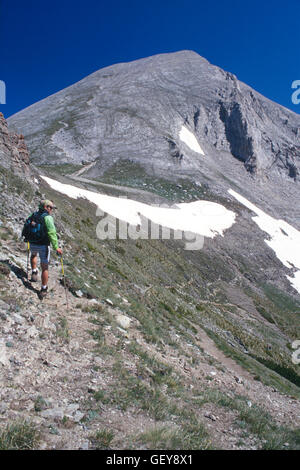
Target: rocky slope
x: 13, y: 150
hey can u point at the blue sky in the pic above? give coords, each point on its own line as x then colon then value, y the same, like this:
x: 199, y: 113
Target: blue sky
x: 46, y: 46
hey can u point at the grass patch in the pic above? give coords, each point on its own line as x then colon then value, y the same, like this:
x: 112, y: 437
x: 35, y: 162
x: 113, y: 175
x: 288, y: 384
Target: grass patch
x: 189, y: 437
x: 63, y: 169
x: 280, y: 299
x: 40, y: 404
x: 102, y: 439
x: 132, y: 174
x: 62, y: 330
x: 279, y: 308
x: 19, y: 436
x: 259, y: 423
x: 255, y: 420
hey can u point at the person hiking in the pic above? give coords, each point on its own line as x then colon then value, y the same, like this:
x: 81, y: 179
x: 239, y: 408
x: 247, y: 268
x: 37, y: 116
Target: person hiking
x: 39, y: 230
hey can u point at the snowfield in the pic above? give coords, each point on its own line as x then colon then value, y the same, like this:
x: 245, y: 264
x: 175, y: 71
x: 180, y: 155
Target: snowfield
x: 285, y: 239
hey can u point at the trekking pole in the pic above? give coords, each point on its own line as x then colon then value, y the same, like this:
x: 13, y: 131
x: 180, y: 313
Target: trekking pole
x: 63, y: 273
x: 28, y: 248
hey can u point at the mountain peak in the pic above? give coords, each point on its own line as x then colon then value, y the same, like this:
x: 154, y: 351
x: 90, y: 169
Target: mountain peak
x: 140, y: 110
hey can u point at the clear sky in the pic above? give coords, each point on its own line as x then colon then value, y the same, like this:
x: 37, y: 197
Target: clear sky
x: 49, y: 45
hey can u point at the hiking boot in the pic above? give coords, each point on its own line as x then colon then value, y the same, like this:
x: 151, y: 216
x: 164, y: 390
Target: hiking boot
x: 43, y: 292
x: 34, y: 276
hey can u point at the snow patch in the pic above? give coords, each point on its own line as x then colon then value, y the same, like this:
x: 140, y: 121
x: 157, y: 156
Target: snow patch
x: 190, y: 140
x: 200, y: 217
x: 285, y: 239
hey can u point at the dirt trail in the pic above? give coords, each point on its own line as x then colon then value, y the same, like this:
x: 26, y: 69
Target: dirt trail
x: 209, y: 346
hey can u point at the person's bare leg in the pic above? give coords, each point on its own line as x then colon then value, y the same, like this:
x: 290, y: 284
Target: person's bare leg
x: 33, y: 260
x: 44, y: 274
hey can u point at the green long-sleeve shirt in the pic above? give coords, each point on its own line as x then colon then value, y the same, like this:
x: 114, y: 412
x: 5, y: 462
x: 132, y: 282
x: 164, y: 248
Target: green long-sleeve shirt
x: 51, y: 231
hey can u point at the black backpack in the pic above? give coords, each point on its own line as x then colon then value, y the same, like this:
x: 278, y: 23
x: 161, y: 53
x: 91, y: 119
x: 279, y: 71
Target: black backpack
x: 34, y: 230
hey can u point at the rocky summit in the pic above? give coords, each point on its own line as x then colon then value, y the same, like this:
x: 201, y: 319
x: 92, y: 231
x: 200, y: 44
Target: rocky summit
x: 153, y: 342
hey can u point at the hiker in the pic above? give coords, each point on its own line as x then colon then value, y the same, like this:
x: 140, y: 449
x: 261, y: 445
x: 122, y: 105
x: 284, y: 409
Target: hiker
x: 39, y: 230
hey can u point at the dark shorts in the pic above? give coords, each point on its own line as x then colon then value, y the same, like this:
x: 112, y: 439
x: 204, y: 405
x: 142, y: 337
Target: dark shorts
x: 42, y: 250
